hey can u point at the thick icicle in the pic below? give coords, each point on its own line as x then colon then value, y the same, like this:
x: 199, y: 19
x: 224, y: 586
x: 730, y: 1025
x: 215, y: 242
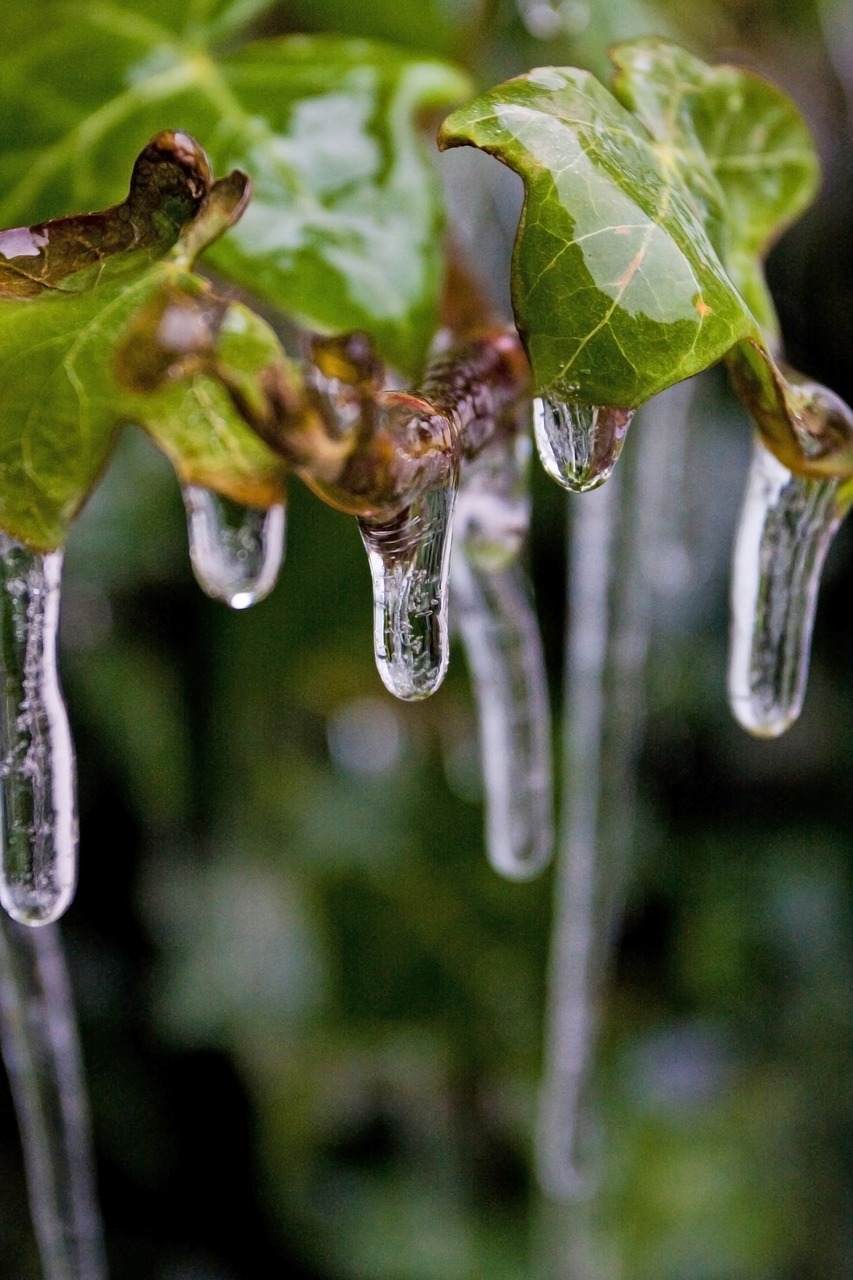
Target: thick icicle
x: 236, y: 551
x: 787, y: 524
x: 579, y: 444
x: 409, y: 560
x: 491, y: 601
x: 38, y: 825
x: 38, y: 1038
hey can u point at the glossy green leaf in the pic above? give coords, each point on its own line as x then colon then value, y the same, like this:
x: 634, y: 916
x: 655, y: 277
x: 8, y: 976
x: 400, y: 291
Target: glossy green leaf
x: 344, y: 230
x: 68, y: 291
x: 647, y: 210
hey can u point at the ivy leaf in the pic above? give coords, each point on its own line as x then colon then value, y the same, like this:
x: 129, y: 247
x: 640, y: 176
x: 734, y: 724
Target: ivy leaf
x: 68, y: 290
x: 637, y: 261
x: 344, y: 230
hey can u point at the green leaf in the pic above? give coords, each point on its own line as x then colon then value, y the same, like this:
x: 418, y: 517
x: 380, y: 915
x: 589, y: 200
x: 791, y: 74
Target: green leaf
x: 68, y: 290
x: 647, y: 210
x: 344, y: 230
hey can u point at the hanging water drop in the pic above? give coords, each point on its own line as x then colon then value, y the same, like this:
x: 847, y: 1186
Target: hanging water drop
x: 492, y: 604
x: 236, y: 551
x: 38, y: 825
x: 579, y: 444
x: 409, y: 560
x: 786, y: 527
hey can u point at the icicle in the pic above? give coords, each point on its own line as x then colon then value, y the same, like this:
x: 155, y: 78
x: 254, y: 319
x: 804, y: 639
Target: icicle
x: 236, y: 551
x: 38, y: 1038
x: 491, y: 601
x: 614, y: 535
x: 579, y: 444
x: 409, y: 561
x: 38, y: 826
x: 786, y: 527
x: 571, y: 1003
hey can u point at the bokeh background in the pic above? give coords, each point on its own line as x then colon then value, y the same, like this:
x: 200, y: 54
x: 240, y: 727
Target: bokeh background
x: 311, y: 1014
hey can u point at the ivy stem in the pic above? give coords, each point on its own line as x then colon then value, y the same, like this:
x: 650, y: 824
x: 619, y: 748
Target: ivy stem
x: 371, y: 451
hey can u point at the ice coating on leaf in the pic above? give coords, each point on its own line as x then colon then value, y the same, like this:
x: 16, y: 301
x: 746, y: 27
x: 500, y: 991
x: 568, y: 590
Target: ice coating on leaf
x: 409, y: 560
x: 79, y: 361
x: 492, y: 605
x: 41, y: 1051
x: 786, y: 527
x: 236, y: 551
x: 169, y: 185
x: 579, y: 444
x: 617, y: 289
x: 345, y: 229
x: 637, y: 260
x: 38, y: 817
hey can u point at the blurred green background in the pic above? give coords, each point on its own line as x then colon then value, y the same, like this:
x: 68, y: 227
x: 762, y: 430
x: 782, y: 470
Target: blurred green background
x: 311, y: 1015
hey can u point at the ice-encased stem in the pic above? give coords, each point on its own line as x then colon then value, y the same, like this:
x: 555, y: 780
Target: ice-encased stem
x: 38, y: 822
x: 579, y: 444
x: 500, y: 632
x: 38, y: 1037
x: 409, y: 560
x: 786, y: 527
x: 236, y: 551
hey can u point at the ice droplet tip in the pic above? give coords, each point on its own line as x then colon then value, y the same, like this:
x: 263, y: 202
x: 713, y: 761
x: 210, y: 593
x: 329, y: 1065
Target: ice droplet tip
x: 35, y: 909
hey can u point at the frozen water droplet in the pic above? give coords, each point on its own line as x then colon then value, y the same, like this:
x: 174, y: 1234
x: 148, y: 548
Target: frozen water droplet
x: 38, y: 825
x: 787, y: 524
x: 504, y: 650
x: 236, y: 551
x: 579, y: 444
x: 409, y: 560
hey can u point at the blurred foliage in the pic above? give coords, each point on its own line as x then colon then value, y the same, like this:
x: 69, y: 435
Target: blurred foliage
x: 303, y: 994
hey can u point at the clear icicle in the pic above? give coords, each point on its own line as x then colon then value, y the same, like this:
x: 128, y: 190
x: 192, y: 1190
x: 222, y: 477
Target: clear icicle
x: 491, y: 602
x: 579, y: 444
x: 571, y: 997
x: 39, y: 1042
x: 38, y: 824
x: 409, y: 560
x: 614, y: 539
x: 236, y: 551
x: 787, y: 524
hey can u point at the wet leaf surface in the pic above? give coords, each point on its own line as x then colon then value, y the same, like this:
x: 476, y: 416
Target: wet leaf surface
x: 68, y: 291
x: 344, y: 230
x: 647, y: 212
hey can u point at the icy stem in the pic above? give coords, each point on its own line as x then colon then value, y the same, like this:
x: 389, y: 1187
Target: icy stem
x: 38, y: 1038
x: 491, y: 602
x: 38, y: 824
x: 409, y: 560
x: 579, y: 444
x: 236, y: 551
x: 787, y: 524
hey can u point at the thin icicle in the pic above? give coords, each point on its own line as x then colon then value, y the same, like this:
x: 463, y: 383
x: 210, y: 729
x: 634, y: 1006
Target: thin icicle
x: 409, y: 561
x: 39, y: 1042
x: 614, y: 539
x: 787, y: 525
x: 579, y: 444
x: 236, y: 551
x: 491, y: 600
x: 571, y: 997
x: 38, y: 823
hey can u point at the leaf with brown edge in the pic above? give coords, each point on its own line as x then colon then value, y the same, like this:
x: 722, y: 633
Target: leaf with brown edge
x: 68, y: 290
